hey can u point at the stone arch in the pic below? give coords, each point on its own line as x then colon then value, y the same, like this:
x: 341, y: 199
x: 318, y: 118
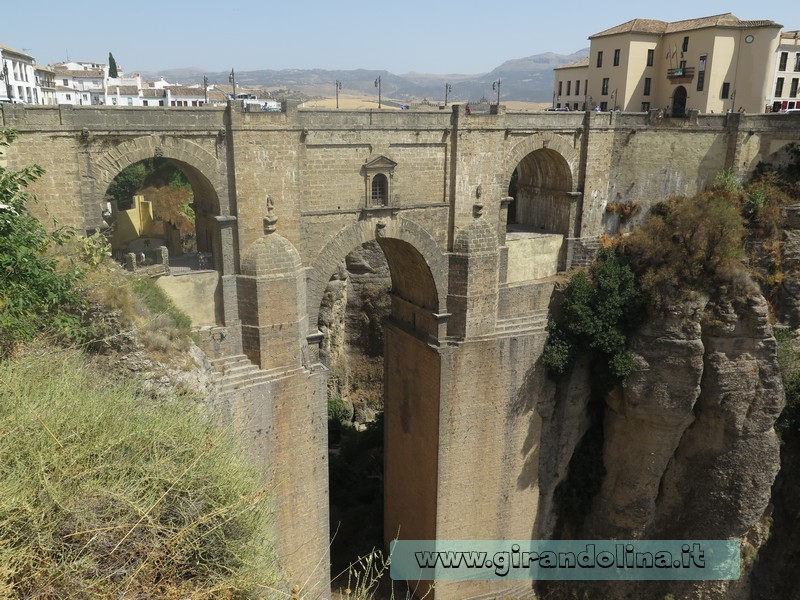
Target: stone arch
x: 538, y: 141
x: 200, y: 167
x: 418, y: 267
x: 546, y: 182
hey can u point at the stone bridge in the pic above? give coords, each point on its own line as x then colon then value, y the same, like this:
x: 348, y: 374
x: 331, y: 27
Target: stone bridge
x: 473, y: 445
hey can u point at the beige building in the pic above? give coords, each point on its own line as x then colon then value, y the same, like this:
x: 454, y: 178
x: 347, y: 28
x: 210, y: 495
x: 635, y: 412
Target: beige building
x: 572, y: 80
x: 711, y: 64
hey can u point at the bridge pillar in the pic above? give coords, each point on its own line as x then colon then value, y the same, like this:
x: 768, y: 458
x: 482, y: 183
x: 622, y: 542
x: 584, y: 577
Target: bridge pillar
x: 473, y: 273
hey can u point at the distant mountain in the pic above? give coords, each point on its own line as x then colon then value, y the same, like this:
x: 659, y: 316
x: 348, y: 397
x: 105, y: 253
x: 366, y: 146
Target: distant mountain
x: 525, y: 79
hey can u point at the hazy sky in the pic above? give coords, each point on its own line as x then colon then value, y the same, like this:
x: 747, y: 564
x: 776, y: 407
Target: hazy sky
x: 432, y: 36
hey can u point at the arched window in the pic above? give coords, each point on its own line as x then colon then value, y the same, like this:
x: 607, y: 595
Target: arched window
x: 380, y: 190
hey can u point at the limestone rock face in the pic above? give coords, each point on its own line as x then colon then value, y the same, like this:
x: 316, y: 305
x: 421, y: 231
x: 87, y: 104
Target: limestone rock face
x: 689, y: 446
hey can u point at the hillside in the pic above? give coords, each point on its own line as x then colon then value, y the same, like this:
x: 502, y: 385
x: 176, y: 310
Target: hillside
x: 524, y: 79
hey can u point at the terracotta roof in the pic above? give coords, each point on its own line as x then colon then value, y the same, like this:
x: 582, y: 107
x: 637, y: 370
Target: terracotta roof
x: 790, y: 35
x: 186, y: 92
x: 656, y: 27
x: 153, y: 93
x: 88, y: 74
x: 125, y: 90
x: 635, y: 26
x: 43, y: 69
x: 584, y: 62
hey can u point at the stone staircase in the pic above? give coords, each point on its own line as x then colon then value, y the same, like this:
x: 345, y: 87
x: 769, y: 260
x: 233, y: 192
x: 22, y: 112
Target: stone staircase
x: 237, y: 373
x: 535, y: 322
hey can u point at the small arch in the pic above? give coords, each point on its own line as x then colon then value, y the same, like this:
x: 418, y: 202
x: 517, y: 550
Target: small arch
x: 193, y: 159
x: 549, y: 141
x: 210, y: 196
x: 541, y: 191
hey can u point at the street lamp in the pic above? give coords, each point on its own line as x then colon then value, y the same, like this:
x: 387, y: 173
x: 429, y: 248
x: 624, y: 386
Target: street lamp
x: 378, y: 85
x: 447, y: 89
x: 338, y: 86
x: 496, y: 86
x: 4, y: 75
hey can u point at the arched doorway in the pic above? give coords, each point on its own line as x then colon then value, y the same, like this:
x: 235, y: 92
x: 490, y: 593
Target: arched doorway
x: 679, y: 102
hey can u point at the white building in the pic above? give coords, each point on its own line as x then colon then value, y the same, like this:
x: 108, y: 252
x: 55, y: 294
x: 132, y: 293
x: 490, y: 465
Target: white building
x: 18, y: 82
x: 787, y: 73
x: 80, y: 83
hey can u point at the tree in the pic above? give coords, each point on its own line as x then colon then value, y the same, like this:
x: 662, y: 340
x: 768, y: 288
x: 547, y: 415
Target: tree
x: 35, y: 295
x: 112, y: 66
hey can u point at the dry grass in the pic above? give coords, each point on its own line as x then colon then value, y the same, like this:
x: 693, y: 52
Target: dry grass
x: 106, y: 494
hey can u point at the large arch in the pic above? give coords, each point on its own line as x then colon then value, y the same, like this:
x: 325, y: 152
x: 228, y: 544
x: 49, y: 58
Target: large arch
x: 418, y: 267
x: 546, y: 167
x: 411, y: 364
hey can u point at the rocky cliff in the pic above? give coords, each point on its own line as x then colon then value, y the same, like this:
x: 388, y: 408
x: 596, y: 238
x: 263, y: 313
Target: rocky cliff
x: 689, y: 448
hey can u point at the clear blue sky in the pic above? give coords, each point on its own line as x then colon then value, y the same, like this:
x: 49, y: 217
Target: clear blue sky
x: 430, y: 36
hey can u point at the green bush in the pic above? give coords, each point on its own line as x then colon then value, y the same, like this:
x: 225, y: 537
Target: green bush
x: 788, y: 424
x: 106, y: 494
x: 35, y: 294
x: 601, y: 309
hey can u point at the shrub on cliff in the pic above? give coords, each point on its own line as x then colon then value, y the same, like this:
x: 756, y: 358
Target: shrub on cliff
x: 106, y: 494
x: 689, y: 244
x: 601, y: 308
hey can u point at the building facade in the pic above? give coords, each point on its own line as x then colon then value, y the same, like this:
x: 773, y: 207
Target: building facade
x: 18, y: 73
x: 787, y: 73
x: 711, y: 64
x: 572, y: 82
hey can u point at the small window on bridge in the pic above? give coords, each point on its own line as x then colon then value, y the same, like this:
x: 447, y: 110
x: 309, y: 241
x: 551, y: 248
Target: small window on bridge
x: 380, y: 190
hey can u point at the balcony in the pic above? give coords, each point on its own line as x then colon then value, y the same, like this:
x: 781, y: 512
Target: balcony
x: 686, y: 73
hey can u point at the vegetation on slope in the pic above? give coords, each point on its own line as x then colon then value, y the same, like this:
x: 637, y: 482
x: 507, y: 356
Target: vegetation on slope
x: 106, y: 494
x: 104, y: 491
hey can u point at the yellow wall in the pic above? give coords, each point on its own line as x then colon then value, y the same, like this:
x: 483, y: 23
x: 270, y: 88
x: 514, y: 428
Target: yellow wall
x: 747, y: 67
x: 133, y: 223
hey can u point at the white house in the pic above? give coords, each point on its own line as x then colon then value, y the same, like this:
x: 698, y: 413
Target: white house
x: 80, y: 83
x: 18, y: 77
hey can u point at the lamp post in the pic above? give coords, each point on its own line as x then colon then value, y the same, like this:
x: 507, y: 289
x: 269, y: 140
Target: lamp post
x: 4, y: 75
x: 338, y: 86
x: 447, y: 89
x: 496, y: 86
x: 733, y: 101
x: 232, y: 79
x: 378, y: 85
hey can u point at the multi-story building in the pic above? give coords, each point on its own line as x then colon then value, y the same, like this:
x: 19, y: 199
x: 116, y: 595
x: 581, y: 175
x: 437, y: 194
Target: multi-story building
x: 711, y: 64
x: 572, y: 81
x: 18, y: 83
x: 80, y: 83
x: 787, y: 73
x: 46, y: 82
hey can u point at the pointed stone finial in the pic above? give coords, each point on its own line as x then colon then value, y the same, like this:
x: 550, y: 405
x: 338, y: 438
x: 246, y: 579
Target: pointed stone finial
x: 270, y: 220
